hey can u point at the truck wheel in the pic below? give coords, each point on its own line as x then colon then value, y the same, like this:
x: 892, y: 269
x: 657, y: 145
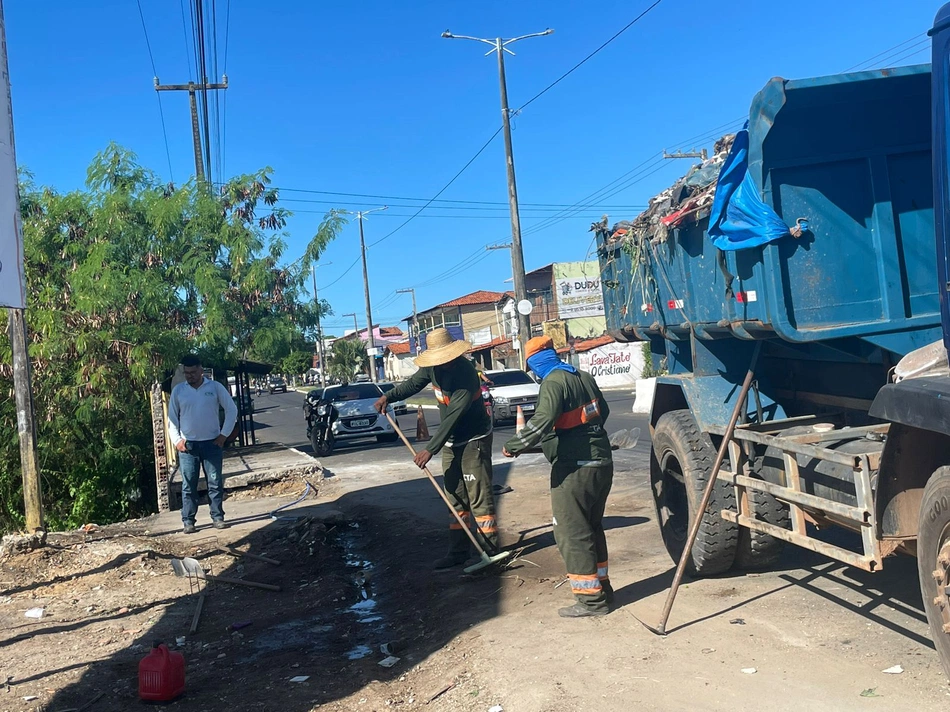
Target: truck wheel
x: 679, y: 470
x: 755, y: 549
x: 933, y: 560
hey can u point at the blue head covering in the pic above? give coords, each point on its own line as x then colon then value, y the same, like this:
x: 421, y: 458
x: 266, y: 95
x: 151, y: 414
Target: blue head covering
x: 545, y: 361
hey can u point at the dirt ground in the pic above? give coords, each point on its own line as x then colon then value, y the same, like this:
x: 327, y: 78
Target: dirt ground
x: 355, y: 575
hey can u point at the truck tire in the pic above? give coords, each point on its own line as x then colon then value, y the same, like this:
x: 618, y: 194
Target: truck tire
x: 933, y: 560
x: 756, y: 550
x: 679, y: 470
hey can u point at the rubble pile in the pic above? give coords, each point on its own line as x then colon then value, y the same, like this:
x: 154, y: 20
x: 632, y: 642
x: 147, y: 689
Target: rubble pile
x: 680, y: 203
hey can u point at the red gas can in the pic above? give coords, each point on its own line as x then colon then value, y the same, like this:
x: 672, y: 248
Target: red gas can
x: 161, y: 674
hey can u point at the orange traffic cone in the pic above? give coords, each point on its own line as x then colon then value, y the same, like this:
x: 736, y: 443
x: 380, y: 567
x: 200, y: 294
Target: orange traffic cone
x: 422, y: 430
x: 519, y: 420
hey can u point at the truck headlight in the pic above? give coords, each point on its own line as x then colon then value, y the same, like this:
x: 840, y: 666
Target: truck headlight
x: 501, y: 400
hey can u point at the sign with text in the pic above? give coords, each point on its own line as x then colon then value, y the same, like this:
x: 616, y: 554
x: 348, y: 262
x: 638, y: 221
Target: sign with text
x: 613, y: 365
x: 578, y: 290
x: 12, y: 282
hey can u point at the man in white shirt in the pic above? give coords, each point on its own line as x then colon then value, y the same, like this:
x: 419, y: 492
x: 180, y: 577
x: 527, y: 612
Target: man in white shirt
x: 196, y: 430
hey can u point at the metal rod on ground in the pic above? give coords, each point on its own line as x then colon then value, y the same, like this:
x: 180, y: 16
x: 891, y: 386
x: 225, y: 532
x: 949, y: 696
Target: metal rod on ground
x: 707, y: 495
x: 486, y: 560
x: 198, y: 608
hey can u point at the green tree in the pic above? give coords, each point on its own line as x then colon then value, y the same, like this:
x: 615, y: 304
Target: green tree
x: 296, y: 362
x: 122, y: 278
x: 349, y: 358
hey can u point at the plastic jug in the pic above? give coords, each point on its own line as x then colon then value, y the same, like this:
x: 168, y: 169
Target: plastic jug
x: 161, y: 674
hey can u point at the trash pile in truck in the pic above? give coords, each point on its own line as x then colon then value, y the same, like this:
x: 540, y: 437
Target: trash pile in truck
x: 687, y: 200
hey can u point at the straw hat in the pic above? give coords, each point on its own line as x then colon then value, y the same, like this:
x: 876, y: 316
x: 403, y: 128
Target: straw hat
x: 441, y: 348
x: 538, y: 343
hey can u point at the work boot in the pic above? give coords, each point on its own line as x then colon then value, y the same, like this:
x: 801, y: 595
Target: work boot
x: 579, y: 610
x: 608, y: 593
x: 450, y: 561
x: 219, y: 524
x: 189, y: 529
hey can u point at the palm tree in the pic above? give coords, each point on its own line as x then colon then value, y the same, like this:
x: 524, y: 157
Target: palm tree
x: 349, y: 358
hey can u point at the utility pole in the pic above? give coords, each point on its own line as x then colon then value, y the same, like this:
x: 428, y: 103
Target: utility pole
x: 356, y: 328
x: 370, y: 341
x: 415, y: 318
x: 500, y: 46
x: 13, y: 296
x: 703, y: 154
x: 316, y: 304
x: 192, y: 88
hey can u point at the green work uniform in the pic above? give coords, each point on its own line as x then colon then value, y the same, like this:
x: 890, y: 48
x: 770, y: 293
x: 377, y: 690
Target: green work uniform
x: 465, y: 431
x: 582, y: 472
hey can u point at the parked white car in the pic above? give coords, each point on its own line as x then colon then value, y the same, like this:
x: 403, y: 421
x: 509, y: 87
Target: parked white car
x: 399, y: 407
x: 357, y: 417
x: 511, y: 388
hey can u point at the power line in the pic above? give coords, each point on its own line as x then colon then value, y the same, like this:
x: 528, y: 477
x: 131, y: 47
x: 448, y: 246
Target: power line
x: 464, y: 205
x: 588, y: 57
x: 915, y: 38
x: 444, y: 188
x: 224, y: 121
x: 161, y: 112
x: 184, y: 28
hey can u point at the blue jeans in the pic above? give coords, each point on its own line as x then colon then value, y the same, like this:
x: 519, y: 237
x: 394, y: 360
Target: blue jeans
x: 207, y: 453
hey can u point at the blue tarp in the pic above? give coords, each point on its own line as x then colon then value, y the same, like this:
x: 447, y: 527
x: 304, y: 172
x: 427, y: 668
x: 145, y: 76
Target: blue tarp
x: 739, y: 219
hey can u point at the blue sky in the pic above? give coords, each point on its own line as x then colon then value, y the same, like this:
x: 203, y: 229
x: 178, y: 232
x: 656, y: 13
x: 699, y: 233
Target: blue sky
x: 365, y: 97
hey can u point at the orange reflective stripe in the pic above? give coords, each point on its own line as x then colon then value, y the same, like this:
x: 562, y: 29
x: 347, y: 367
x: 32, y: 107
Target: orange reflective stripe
x: 579, y: 416
x: 602, y: 571
x: 444, y: 399
x: 585, y: 584
x: 465, y: 518
x: 486, y: 524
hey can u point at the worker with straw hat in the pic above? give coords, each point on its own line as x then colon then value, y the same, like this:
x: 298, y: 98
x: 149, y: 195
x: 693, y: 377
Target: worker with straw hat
x: 466, y: 432
x: 569, y: 423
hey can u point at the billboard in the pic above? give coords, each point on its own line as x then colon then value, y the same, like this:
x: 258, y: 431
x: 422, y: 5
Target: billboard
x: 577, y: 286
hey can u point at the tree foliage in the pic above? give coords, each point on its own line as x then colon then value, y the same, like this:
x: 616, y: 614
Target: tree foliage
x: 349, y: 358
x: 296, y: 362
x: 122, y: 278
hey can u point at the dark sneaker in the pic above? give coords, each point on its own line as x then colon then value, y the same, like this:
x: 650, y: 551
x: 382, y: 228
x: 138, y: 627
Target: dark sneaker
x: 219, y: 524
x: 579, y: 610
x: 450, y: 561
x: 190, y: 529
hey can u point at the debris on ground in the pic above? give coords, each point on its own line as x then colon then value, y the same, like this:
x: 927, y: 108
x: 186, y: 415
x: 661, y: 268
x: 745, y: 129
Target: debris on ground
x: 895, y: 670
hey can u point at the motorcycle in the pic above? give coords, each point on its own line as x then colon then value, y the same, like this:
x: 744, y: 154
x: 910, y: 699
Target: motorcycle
x: 320, y: 416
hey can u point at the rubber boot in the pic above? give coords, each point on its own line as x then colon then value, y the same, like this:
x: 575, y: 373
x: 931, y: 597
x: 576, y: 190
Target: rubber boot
x: 579, y: 610
x: 450, y: 561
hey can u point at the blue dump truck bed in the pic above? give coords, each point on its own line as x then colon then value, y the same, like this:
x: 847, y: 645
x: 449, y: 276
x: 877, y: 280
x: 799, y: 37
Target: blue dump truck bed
x: 848, y: 157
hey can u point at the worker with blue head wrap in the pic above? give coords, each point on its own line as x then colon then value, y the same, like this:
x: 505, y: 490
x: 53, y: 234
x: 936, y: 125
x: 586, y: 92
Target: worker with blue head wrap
x: 569, y: 424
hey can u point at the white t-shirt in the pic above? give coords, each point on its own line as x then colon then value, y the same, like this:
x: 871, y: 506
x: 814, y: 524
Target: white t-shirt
x: 193, y: 412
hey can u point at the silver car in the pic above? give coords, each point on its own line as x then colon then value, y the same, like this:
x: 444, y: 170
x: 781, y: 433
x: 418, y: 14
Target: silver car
x: 357, y: 417
x: 399, y: 407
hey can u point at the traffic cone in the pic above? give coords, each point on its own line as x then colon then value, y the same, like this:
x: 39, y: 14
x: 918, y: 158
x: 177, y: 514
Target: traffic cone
x: 519, y: 420
x: 422, y: 430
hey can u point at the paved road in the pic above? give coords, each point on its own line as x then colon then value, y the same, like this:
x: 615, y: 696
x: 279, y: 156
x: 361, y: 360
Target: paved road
x: 279, y: 418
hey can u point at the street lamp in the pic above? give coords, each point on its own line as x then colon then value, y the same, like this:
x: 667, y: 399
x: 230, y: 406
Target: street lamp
x: 500, y: 45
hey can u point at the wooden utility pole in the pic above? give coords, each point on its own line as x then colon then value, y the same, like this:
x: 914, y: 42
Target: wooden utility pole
x: 415, y: 318
x: 13, y: 296
x: 192, y: 88
x: 26, y: 427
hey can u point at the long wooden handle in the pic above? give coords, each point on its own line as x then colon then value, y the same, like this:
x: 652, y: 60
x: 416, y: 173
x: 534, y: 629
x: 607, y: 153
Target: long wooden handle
x: 257, y: 557
x: 242, y: 582
x: 707, y: 494
x: 438, y: 489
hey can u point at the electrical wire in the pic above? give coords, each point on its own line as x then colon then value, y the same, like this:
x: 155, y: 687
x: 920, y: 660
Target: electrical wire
x: 442, y: 190
x: 475, y: 208
x: 161, y: 111
x: 588, y: 57
x: 224, y: 121
x: 870, y: 60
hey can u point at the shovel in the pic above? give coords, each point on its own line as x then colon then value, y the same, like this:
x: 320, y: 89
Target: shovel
x: 190, y: 568
x: 620, y: 440
x: 486, y: 560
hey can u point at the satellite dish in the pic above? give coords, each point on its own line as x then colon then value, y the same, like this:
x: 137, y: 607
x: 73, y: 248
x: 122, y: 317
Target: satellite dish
x: 525, y: 307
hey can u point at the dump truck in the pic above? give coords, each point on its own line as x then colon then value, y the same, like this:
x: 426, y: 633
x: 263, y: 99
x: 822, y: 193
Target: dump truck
x: 814, y: 244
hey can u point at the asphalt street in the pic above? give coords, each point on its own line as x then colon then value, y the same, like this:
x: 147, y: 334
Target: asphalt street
x: 279, y: 418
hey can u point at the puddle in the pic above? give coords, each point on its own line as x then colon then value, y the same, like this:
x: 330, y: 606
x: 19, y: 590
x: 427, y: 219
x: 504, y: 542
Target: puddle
x: 307, y: 635
x: 359, y: 652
